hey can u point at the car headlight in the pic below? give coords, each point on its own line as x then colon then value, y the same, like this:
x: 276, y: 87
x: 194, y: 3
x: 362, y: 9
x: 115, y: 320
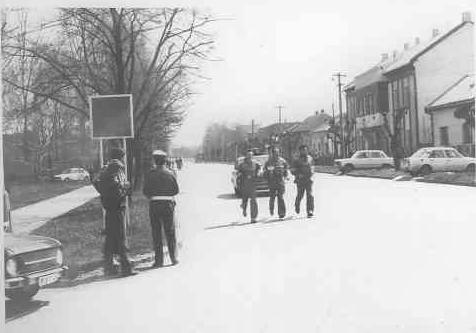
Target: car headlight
x: 11, y: 267
x: 59, y: 257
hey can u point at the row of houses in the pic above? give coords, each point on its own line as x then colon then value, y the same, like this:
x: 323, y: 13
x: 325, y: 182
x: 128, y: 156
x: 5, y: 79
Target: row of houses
x: 420, y: 96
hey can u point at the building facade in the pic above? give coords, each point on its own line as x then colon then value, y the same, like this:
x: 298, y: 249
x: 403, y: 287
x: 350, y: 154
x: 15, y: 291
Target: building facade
x: 419, y: 74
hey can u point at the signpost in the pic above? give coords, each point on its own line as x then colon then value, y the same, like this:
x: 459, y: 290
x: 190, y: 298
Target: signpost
x: 111, y: 117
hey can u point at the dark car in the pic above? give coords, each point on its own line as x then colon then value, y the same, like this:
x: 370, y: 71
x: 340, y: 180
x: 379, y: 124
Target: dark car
x: 31, y: 262
x: 262, y: 186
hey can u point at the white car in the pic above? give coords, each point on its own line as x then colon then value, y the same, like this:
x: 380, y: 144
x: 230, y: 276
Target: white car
x: 436, y: 159
x: 73, y: 174
x: 365, y: 159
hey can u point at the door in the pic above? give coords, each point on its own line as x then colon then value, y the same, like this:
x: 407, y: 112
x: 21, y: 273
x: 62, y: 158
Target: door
x: 454, y: 161
x: 437, y: 160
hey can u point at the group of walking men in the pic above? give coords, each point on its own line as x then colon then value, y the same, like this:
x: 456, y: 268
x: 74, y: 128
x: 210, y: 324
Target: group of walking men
x: 276, y: 171
x: 160, y: 187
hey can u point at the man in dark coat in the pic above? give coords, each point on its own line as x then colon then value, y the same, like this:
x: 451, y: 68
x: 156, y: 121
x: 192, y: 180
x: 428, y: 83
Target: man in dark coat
x: 160, y: 187
x: 302, y: 171
x: 248, y: 171
x: 113, y: 187
x: 275, y: 170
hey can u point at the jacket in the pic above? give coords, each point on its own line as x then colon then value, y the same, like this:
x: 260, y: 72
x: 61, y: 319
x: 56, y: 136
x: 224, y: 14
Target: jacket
x: 160, y: 182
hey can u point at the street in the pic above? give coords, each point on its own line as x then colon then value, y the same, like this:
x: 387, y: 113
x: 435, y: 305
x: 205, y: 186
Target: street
x: 379, y: 256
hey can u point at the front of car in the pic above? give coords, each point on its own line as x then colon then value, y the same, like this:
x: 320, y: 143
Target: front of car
x: 262, y: 185
x: 31, y: 262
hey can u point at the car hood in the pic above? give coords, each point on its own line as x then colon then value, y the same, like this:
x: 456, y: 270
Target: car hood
x: 16, y: 244
x: 342, y: 160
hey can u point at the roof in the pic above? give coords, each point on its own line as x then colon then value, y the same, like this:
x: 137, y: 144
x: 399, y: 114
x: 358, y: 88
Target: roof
x: 312, y: 123
x: 461, y: 90
x: 407, y: 57
x: 276, y: 128
x: 322, y: 128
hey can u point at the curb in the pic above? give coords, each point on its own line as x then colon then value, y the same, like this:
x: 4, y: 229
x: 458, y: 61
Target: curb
x: 391, y: 178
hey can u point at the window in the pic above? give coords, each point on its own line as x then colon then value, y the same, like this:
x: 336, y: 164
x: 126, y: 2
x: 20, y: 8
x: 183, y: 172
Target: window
x: 444, y: 136
x: 375, y: 154
x: 361, y: 154
x: 451, y: 153
x: 467, y: 133
x: 437, y: 154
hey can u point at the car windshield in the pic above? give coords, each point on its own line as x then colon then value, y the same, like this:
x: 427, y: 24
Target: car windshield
x: 421, y: 153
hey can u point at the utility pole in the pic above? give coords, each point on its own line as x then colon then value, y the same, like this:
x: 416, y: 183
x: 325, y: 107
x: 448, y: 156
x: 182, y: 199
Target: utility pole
x: 339, y: 76
x: 280, y: 108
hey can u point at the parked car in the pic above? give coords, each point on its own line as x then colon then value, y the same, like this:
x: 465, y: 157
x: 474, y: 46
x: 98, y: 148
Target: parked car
x: 365, y: 159
x: 72, y: 174
x: 31, y: 262
x: 434, y: 159
x: 262, y: 185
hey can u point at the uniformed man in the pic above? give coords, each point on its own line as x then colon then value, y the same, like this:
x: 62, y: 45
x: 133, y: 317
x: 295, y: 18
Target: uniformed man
x: 160, y: 187
x: 248, y: 171
x: 113, y: 187
x: 276, y: 170
x: 302, y: 171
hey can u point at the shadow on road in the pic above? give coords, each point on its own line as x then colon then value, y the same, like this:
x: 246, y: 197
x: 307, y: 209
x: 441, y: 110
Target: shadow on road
x: 18, y: 309
x: 260, y: 221
x: 228, y: 196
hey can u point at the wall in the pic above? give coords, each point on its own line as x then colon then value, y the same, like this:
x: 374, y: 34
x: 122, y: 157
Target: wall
x: 438, y: 69
x: 445, y: 117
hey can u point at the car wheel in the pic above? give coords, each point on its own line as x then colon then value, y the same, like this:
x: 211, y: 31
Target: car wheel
x: 347, y: 168
x: 471, y: 168
x: 425, y: 170
x: 24, y: 294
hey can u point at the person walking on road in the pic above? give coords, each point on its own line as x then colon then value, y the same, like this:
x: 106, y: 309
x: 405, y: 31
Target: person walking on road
x: 276, y: 170
x: 302, y: 171
x: 248, y: 171
x: 113, y: 188
x: 160, y: 187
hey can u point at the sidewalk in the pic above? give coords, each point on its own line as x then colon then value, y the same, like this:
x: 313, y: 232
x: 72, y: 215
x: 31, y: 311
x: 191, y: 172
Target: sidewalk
x: 29, y: 218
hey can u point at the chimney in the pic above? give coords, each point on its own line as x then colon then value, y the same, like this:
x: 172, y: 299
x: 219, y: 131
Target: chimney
x: 406, y: 46
x: 384, y: 57
x: 435, y: 33
x: 417, y: 40
x: 467, y: 17
x: 394, y: 54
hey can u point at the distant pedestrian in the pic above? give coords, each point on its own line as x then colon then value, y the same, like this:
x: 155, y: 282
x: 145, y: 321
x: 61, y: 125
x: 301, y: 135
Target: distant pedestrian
x: 113, y: 187
x: 248, y: 171
x: 160, y: 187
x: 276, y: 170
x: 302, y: 171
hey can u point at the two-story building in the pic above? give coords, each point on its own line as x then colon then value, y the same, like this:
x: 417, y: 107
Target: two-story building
x: 420, y: 73
x: 367, y: 107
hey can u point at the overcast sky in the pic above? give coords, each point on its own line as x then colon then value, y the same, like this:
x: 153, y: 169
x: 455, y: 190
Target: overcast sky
x: 285, y: 52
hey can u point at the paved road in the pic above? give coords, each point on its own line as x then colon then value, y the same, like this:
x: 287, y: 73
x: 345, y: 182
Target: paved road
x: 380, y: 256
x: 31, y: 217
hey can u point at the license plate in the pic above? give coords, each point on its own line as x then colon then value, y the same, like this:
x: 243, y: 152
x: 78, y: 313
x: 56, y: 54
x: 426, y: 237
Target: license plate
x: 48, y: 279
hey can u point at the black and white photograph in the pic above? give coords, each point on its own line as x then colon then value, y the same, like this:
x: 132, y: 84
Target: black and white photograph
x: 238, y: 166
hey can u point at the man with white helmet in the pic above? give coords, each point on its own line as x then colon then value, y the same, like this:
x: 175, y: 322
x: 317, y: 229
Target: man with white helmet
x: 160, y: 187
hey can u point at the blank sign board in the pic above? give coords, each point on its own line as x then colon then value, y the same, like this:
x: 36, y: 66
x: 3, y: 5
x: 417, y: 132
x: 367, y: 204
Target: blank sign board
x: 111, y: 116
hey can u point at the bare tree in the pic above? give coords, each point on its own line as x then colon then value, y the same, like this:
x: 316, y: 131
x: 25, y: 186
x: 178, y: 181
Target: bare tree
x: 153, y: 54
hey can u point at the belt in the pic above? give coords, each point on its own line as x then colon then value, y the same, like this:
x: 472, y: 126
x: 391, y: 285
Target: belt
x: 162, y: 198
